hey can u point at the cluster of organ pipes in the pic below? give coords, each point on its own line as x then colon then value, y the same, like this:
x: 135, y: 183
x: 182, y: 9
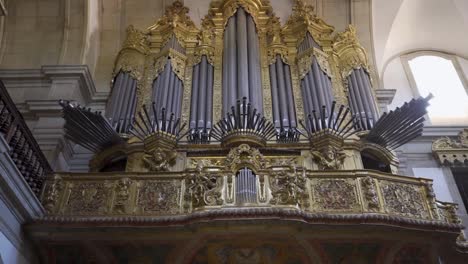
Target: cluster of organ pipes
x: 341, y: 124
x: 243, y: 119
x: 246, y: 187
x: 242, y: 78
x: 122, y: 102
x: 149, y: 123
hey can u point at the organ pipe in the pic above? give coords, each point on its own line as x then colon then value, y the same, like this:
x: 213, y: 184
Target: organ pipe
x: 241, y: 61
x: 122, y: 103
x: 284, y: 115
x: 202, y: 101
x: 361, y: 99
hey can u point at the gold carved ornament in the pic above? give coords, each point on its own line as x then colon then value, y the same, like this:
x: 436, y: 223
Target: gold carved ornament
x: 203, y: 189
x: 403, y: 199
x: 131, y: 57
x: 276, y: 45
x: 351, y: 55
x: 175, y: 22
x: 289, y: 188
x: 335, y: 195
x: 307, y: 58
x: 160, y: 197
x: 453, y: 152
x: 244, y: 156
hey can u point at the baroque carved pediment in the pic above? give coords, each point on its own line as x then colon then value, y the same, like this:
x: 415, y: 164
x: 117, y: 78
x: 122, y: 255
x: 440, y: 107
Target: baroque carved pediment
x: 450, y: 151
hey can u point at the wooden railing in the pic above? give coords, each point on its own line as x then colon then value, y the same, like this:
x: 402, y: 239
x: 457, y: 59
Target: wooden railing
x: 24, y: 150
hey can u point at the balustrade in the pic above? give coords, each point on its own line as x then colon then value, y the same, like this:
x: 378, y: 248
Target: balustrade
x: 24, y: 150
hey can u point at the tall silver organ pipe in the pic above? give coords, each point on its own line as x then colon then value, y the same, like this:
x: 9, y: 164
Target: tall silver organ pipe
x: 316, y: 85
x: 246, y: 187
x: 202, y: 99
x: 122, y: 102
x: 167, y: 87
x: 361, y: 99
x: 284, y: 115
x: 241, y: 62
x: 168, y: 91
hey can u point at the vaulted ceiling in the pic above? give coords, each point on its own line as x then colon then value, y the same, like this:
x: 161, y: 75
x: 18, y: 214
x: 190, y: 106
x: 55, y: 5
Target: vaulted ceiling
x: 402, y: 26
x: 39, y: 32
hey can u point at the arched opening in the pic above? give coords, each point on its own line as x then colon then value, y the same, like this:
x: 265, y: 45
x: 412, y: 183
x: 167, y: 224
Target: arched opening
x: 115, y: 165
x: 246, y: 186
x: 371, y: 161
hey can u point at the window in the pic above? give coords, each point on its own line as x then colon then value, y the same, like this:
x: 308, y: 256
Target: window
x: 438, y: 75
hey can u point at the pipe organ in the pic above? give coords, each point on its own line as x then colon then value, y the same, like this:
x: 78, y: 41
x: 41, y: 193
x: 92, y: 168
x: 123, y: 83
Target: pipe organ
x: 241, y: 78
x: 248, y: 119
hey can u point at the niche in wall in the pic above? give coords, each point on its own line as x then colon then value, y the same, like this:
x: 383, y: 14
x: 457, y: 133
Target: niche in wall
x: 371, y: 162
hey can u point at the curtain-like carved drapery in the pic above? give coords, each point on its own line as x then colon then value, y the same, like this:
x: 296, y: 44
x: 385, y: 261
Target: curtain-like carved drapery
x: 316, y: 85
x: 122, y: 103
x: 168, y: 91
x: 284, y: 114
x: 361, y: 99
x: 202, y: 98
x: 241, y: 62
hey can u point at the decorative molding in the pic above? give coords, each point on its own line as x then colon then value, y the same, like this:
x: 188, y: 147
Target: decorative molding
x: 452, y: 152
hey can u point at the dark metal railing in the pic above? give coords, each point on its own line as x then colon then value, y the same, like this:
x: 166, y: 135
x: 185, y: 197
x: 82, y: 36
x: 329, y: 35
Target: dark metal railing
x: 24, y: 150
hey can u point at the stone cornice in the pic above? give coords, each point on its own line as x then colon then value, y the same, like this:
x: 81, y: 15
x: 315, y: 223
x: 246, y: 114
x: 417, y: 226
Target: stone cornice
x: 47, y: 75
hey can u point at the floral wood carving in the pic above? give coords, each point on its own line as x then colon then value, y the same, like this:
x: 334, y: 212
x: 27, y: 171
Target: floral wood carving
x: 335, y: 194
x: 159, y: 197
x: 203, y: 189
x: 88, y: 198
x: 403, y: 199
x: 244, y: 155
x: 288, y: 188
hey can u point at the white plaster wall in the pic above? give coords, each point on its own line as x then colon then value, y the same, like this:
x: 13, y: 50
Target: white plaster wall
x: 9, y: 253
x: 395, y: 77
x: 440, y: 185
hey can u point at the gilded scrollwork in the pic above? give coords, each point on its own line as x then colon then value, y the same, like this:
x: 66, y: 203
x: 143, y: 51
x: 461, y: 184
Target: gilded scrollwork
x: 403, y: 199
x: 159, y: 197
x: 244, y: 155
x: 370, y: 194
x: 136, y: 39
x: 289, y: 188
x: 203, y: 189
x: 335, y: 194
x: 452, y: 152
x: 88, y: 198
x: 350, y: 53
x: 276, y: 46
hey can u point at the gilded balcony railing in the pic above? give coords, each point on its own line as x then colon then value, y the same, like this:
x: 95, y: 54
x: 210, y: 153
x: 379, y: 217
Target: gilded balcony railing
x: 369, y: 196
x: 24, y: 150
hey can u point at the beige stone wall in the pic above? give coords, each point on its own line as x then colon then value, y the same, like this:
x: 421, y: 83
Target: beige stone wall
x: 91, y: 32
